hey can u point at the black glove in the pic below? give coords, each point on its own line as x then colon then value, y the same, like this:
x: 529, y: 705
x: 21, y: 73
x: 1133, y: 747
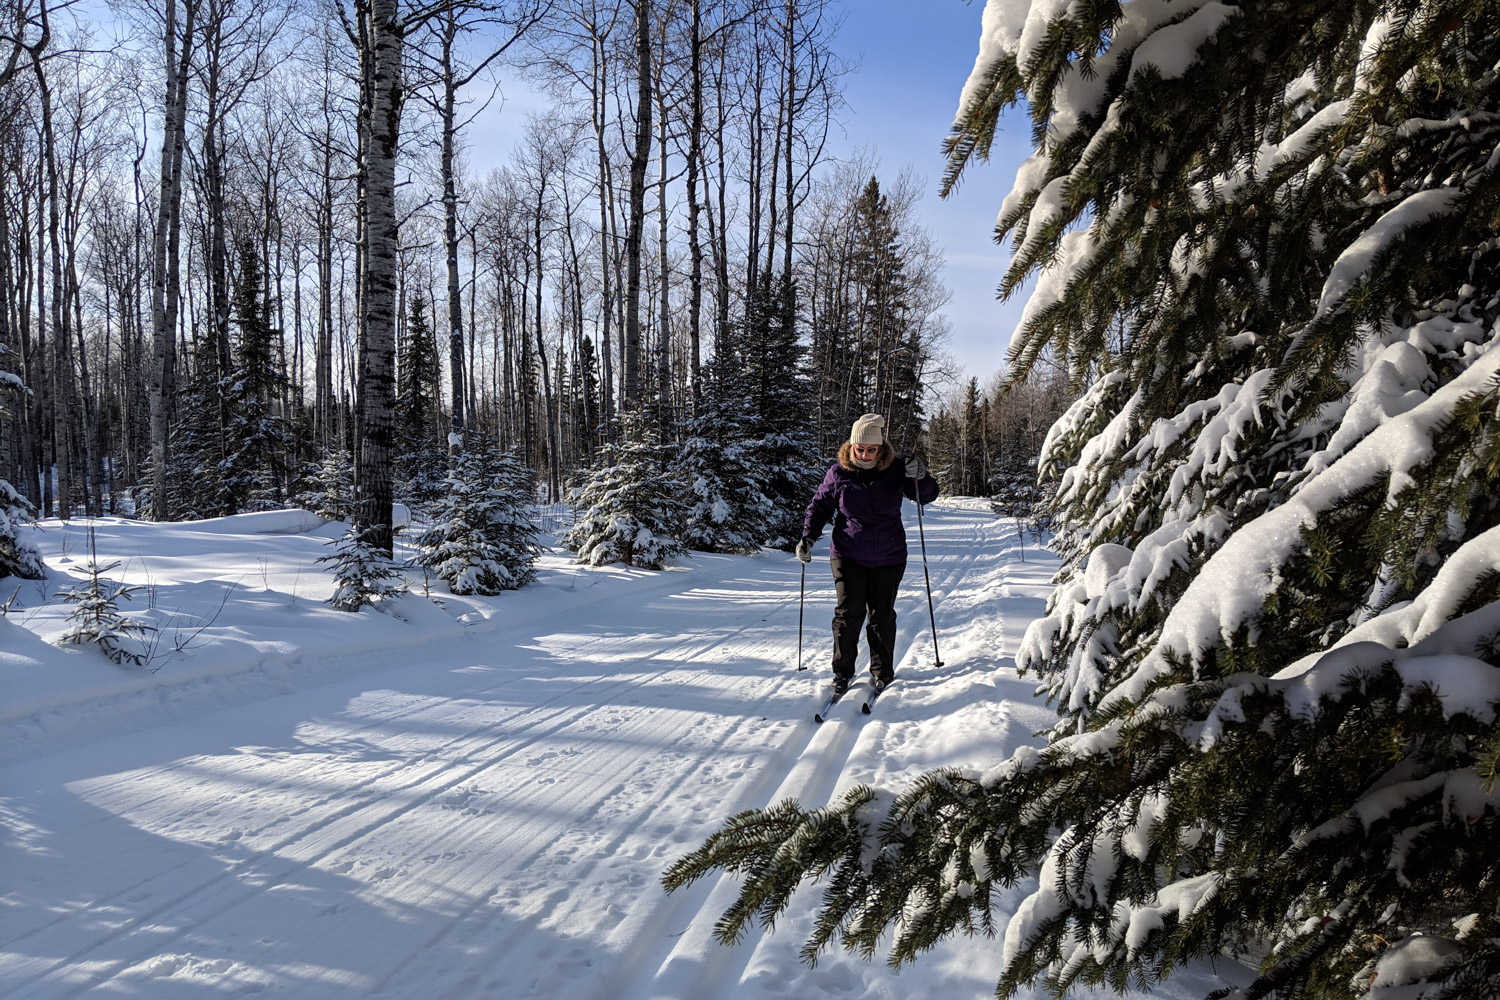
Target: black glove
x: 804, y: 550
x: 916, y: 468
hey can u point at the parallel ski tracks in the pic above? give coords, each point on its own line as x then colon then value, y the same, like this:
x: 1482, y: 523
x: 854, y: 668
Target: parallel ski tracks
x: 808, y: 764
x: 811, y: 776
x: 383, y: 802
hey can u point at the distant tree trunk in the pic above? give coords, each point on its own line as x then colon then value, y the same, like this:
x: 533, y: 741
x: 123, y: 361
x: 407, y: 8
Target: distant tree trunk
x: 554, y: 469
x: 165, y: 275
x: 639, y: 157
x: 64, y: 393
x: 448, y: 34
x: 694, y: 162
x: 720, y: 241
x: 598, y: 95
x: 663, y: 261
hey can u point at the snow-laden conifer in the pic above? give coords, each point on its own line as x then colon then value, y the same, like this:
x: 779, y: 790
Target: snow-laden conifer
x: 629, y: 509
x: 483, y: 538
x: 363, y: 575
x: 330, y: 490
x: 727, y: 508
x: 18, y: 556
x: 1274, y: 642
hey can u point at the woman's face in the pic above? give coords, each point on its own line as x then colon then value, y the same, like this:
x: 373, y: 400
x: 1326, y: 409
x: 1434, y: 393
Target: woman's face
x: 865, y: 452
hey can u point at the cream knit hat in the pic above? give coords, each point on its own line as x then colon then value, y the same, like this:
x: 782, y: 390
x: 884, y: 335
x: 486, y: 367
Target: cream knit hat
x: 868, y: 429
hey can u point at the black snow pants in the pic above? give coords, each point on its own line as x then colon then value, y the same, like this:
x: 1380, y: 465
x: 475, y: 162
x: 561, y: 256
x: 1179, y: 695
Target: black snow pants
x: 865, y: 592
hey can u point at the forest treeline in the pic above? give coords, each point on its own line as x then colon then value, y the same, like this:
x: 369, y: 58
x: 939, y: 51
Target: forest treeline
x: 243, y: 245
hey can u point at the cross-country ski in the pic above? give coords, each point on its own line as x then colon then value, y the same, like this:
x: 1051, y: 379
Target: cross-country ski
x: 833, y: 698
x: 876, y: 690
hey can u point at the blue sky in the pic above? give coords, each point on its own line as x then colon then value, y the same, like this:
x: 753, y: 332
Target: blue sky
x: 911, y: 59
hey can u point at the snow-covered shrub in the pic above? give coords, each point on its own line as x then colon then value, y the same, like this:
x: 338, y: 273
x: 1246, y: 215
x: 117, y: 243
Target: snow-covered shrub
x: 18, y: 557
x: 1275, y: 641
x: 97, y: 619
x: 630, y: 510
x: 483, y: 539
x: 363, y: 574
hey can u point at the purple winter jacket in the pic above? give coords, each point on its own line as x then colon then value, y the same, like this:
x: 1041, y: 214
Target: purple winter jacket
x: 865, y: 507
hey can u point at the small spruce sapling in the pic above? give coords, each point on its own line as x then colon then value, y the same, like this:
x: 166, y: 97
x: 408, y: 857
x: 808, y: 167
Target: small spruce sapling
x: 98, y: 620
x: 363, y: 574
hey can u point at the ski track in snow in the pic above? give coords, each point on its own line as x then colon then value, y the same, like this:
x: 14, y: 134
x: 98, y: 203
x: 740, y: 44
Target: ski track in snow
x: 488, y: 814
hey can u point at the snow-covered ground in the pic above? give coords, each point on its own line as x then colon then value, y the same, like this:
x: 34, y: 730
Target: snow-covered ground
x: 472, y: 797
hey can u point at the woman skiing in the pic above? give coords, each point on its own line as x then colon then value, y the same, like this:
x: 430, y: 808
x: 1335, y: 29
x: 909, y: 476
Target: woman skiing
x: 861, y: 494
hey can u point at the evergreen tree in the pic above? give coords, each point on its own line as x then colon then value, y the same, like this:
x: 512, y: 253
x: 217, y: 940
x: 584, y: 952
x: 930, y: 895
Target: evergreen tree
x: 1273, y: 644
x: 727, y: 510
x: 944, y: 446
x: 363, y: 575
x: 422, y: 466
x: 199, y: 477
x: 973, y: 478
x: 1016, y: 494
x: 18, y: 557
x: 630, y: 510
x: 419, y: 376
x: 258, y: 437
x: 483, y: 539
x: 585, y: 395
x: 330, y: 492
x: 97, y: 619
x: 767, y: 370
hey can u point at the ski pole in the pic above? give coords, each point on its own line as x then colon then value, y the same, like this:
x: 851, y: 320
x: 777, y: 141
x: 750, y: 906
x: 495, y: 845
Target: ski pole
x: 936, y: 660
x: 801, y: 597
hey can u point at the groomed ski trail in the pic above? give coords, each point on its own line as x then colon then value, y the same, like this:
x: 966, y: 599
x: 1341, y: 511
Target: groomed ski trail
x: 489, y: 815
